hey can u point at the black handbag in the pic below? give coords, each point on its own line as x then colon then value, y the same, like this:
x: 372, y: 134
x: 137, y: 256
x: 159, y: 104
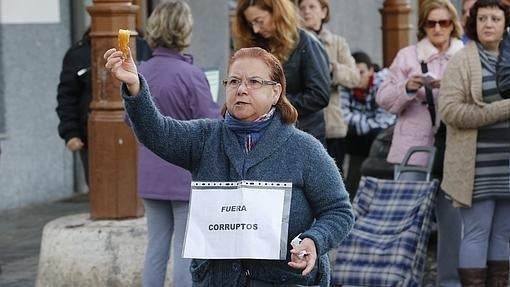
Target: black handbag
x: 503, y: 66
x: 440, y: 144
x: 429, y: 96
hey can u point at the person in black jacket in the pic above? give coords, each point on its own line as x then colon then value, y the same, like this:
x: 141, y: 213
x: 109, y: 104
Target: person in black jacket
x: 273, y: 25
x: 74, y: 94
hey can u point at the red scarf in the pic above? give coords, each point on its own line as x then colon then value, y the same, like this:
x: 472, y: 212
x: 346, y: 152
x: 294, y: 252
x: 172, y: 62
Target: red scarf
x: 360, y: 94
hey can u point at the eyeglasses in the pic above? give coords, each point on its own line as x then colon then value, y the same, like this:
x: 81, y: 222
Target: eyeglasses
x: 442, y: 23
x: 254, y: 83
x: 259, y: 21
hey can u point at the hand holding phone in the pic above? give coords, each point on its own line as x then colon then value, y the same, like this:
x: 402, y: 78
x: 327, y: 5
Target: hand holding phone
x: 430, y: 80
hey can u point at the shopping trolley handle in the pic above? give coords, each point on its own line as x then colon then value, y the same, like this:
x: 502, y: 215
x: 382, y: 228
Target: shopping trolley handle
x: 427, y: 170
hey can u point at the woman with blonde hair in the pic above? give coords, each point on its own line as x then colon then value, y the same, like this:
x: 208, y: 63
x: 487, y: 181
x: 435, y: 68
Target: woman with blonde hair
x: 274, y: 26
x: 411, y: 91
x: 403, y: 92
x: 180, y: 90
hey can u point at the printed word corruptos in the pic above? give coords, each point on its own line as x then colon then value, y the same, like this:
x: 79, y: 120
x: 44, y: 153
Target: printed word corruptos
x: 233, y: 226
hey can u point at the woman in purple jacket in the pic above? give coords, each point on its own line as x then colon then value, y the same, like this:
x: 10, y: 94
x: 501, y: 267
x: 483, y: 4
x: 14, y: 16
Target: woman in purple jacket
x: 180, y: 90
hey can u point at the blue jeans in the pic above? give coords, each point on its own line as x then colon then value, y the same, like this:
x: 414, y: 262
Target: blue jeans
x: 485, y: 233
x: 448, y: 242
x: 164, y: 219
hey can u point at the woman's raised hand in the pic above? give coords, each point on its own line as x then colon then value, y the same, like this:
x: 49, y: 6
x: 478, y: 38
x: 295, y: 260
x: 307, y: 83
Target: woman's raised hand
x: 123, y: 69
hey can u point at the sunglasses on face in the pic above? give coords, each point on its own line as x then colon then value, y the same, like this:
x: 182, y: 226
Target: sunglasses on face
x: 442, y: 23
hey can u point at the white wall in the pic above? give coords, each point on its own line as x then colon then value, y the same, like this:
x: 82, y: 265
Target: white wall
x: 34, y: 165
x: 360, y: 21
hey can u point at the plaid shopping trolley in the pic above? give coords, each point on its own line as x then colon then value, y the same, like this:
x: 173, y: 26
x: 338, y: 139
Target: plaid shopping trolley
x: 388, y: 244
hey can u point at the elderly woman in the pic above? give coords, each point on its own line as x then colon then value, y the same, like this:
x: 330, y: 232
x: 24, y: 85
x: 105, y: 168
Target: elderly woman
x: 180, y: 90
x: 403, y: 92
x: 274, y: 26
x: 411, y: 91
x: 343, y: 71
x: 256, y: 141
x: 476, y: 166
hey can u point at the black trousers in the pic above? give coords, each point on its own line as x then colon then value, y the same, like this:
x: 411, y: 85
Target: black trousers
x: 358, y: 149
x: 336, y: 149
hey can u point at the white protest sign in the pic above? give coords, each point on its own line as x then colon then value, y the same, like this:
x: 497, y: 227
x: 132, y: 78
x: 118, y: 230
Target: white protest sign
x: 213, y: 77
x: 245, y: 219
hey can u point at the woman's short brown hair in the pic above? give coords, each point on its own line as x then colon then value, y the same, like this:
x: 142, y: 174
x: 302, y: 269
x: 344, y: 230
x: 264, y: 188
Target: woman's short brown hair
x: 324, y: 4
x: 288, y: 113
x: 430, y: 5
x: 170, y: 25
x: 286, y: 20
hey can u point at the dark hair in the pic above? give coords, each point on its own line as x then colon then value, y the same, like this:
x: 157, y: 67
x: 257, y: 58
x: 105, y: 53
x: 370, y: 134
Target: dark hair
x: 471, y: 22
x: 362, y: 57
x: 287, y: 111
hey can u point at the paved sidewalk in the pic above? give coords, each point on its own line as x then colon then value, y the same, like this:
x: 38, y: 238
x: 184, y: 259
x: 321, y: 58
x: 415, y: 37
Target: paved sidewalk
x: 21, y: 231
x: 20, y: 238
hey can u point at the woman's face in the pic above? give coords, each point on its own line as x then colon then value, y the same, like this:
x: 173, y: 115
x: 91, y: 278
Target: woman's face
x: 490, y: 26
x: 312, y: 14
x: 245, y: 101
x: 439, y: 27
x: 261, y: 21
x: 465, y: 10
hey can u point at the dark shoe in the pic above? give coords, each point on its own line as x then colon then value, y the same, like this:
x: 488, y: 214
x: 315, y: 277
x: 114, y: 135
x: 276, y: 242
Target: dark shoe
x: 497, y: 273
x: 472, y: 277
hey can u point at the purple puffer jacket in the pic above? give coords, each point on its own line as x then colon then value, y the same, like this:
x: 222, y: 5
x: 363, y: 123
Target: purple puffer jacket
x: 180, y: 90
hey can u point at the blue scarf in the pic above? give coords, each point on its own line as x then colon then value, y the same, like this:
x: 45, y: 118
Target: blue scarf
x: 249, y: 133
x: 488, y: 59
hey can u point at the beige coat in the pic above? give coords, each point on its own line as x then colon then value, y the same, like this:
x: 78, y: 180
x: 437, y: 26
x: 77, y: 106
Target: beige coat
x: 344, y: 73
x: 462, y: 108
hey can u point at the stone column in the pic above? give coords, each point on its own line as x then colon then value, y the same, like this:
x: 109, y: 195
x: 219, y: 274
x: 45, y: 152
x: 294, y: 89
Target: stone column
x: 112, y: 146
x: 396, y: 28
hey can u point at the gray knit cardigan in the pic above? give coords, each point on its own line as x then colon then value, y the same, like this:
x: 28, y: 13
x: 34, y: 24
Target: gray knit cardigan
x: 320, y: 207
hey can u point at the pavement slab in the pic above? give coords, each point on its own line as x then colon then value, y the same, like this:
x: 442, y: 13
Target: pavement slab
x: 20, y: 237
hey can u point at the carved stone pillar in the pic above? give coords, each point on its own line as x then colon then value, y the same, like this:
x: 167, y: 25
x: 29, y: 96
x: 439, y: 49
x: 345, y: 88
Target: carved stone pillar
x: 396, y: 28
x: 112, y: 146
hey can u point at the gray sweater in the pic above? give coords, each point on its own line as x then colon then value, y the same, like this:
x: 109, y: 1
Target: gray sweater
x: 320, y: 207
